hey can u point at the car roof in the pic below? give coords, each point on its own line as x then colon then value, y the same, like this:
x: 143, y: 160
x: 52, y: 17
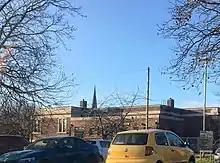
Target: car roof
x: 99, y: 140
x: 17, y: 136
x: 60, y: 137
x: 143, y: 131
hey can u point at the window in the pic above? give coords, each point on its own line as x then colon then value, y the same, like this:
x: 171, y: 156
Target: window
x: 43, y: 144
x: 14, y: 142
x: 79, y: 143
x: 161, y: 139
x: 104, y: 144
x: 37, y: 127
x: 174, y: 140
x: 131, y: 139
x: 62, y: 125
x: 69, y: 143
x: 18, y: 141
x: 92, y: 142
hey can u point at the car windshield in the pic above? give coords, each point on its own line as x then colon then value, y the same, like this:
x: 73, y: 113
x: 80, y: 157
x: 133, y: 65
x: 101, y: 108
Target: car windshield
x: 218, y: 150
x: 131, y: 139
x: 43, y: 144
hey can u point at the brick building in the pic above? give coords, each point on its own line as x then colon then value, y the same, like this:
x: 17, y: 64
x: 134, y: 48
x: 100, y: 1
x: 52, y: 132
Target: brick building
x: 72, y: 120
x: 81, y: 121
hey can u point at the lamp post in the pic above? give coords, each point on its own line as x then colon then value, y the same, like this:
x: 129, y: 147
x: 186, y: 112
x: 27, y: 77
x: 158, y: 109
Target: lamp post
x: 147, y: 98
x: 206, y: 60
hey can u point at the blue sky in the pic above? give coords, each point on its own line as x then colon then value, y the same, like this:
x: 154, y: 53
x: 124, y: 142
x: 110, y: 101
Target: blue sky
x: 114, y: 46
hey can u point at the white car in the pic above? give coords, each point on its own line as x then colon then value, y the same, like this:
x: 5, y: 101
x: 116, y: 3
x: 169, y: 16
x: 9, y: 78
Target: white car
x: 217, y: 155
x: 103, y: 146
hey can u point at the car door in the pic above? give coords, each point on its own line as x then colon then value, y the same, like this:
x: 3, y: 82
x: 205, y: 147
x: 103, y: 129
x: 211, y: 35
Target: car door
x: 162, y: 147
x: 82, y: 149
x: 179, y: 154
x: 66, y: 151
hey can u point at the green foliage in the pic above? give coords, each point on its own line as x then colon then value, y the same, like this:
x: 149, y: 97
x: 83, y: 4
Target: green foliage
x: 204, y: 160
x: 208, y: 158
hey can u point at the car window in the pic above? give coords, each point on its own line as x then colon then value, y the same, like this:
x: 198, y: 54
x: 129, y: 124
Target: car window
x: 92, y: 142
x: 14, y: 141
x: 218, y: 150
x: 104, y: 144
x: 79, y: 143
x: 174, y: 140
x: 68, y: 142
x: 43, y: 144
x: 19, y: 141
x: 131, y: 139
x: 161, y: 139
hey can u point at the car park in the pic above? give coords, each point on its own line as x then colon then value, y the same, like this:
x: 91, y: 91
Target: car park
x: 151, y: 146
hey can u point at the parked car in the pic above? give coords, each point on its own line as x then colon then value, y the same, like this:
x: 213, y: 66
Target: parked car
x: 103, y: 146
x: 65, y: 149
x: 216, y: 145
x: 151, y: 146
x: 217, y: 155
x: 10, y: 143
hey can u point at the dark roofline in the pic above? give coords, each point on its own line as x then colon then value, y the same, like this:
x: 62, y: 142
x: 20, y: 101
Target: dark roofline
x: 209, y: 107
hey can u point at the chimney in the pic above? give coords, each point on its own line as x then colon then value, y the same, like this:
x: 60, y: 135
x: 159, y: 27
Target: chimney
x: 170, y: 103
x: 83, y: 103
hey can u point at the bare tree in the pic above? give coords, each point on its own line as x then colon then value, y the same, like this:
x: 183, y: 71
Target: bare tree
x: 195, y: 26
x: 17, y: 118
x: 112, y: 114
x: 30, y: 32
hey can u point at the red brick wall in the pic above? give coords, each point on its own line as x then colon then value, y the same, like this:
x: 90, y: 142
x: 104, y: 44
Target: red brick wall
x: 49, y: 127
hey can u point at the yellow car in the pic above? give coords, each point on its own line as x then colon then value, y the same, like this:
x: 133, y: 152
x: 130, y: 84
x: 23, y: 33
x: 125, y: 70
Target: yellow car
x: 149, y: 146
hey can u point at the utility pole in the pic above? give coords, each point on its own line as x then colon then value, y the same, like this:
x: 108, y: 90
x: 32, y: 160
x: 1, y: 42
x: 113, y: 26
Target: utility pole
x: 147, y: 97
x: 206, y: 60
x: 205, y: 98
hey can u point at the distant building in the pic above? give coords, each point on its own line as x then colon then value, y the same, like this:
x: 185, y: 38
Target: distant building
x: 72, y: 120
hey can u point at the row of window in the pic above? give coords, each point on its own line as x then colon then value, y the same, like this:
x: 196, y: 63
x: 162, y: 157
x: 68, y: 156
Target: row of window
x: 161, y: 139
x: 62, y: 126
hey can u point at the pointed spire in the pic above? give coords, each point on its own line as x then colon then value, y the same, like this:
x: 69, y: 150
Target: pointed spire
x: 94, y: 100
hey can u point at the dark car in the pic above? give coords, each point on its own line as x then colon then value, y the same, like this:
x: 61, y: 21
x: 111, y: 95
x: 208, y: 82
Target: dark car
x: 10, y: 143
x: 62, y: 149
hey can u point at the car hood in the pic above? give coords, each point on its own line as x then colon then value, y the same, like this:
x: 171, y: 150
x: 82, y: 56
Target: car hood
x: 16, y: 155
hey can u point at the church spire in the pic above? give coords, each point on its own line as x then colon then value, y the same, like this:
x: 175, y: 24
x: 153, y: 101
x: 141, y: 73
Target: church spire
x: 94, y: 100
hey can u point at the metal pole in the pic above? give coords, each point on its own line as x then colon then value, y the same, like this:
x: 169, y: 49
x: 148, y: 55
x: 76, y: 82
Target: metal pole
x: 205, y: 88
x: 147, y: 98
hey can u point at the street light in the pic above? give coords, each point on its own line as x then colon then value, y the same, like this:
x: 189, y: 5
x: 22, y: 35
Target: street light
x: 206, y: 60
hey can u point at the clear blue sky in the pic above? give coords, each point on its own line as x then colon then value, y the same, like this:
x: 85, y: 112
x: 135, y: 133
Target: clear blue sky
x: 113, y: 46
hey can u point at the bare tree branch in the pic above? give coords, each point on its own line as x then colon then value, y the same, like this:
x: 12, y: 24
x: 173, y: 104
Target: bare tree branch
x: 194, y: 24
x: 112, y: 114
x: 34, y: 29
x: 30, y: 33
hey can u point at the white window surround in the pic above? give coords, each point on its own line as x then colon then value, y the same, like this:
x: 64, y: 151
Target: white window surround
x: 37, y: 127
x: 62, y: 125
